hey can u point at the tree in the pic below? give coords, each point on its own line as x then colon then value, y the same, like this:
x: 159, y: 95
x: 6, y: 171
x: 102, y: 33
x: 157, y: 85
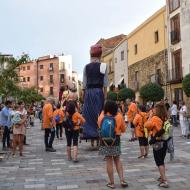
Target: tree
x: 29, y: 95
x: 9, y: 77
x: 152, y: 91
x: 112, y: 96
x: 186, y: 85
x: 126, y: 93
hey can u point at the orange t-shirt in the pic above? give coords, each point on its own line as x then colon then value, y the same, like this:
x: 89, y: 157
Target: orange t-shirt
x: 139, y: 124
x: 154, y: 125
x: 132, y: 110
x: 78, y: 120
x: 60, y: 113
x: 47, y: 116
x: 120, y: 123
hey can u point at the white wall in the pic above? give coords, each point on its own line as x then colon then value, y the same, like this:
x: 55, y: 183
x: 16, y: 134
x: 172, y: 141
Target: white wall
x: 120, y: 67
x: 67, y: 60
x: 185, y: 35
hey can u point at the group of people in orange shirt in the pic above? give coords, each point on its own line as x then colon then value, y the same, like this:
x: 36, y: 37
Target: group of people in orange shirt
x: 55, y: 120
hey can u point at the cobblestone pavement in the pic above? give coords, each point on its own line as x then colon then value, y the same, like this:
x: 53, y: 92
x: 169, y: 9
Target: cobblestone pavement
x: 39, y: 170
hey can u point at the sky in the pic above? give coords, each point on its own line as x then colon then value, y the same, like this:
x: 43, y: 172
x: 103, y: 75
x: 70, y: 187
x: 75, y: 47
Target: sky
x: 43, y: 27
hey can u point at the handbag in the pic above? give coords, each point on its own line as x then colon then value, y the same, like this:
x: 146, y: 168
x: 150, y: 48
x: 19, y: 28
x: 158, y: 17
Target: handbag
x: 158, y: 145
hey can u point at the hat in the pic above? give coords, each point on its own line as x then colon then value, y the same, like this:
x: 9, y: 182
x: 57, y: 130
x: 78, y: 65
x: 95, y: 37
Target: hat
x: 96, y: 50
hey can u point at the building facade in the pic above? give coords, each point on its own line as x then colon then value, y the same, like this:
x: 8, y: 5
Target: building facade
x: 147, y: 53
x: 108, y: 46
x: 48, y: 74
x: 178, y: 22
x: 120, y: 64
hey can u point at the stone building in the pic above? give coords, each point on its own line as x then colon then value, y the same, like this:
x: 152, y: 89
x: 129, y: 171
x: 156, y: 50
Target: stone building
x: 178, y: 22
x: 147, y: 53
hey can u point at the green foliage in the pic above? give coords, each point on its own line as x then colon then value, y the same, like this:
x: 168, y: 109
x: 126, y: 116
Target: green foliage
x: 152, y: 91
x: 9, y: 77
x: 112, y: 96
x: 29, y: 95
x: 126, y: 93
x: 186, y: 85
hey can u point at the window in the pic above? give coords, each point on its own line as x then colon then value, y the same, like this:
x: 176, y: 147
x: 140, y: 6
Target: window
x: 175, y: 29
x: 62, y: 78
x: 51, y: 78
x: 41, y: 78
x: 176, y: 72
x: 51, y: 90
x: 159, y: 76
x: 136, y: 49
x: 173, y: 5
x: 24, y: 80
x: 156, y: 37
x: 51, y: 66
x: 41, y: 89
x: 136, y: 75
x: 122, y: 55
x: 28, y: 67
x: 28, y: 79
x: 23, y: 68
x: 41, y: 66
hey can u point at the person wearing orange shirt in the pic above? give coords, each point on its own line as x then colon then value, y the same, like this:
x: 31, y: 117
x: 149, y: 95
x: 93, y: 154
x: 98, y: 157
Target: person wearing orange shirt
x: 132, y: 110
x: 155, y: 124
x: 72, y: 126
x: 139, y: 121
x: 112, y: 153
x: 48, y: 125
x: 58, y: 116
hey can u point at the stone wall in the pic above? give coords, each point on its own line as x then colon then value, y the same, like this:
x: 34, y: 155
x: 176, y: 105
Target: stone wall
x: 147, y: 69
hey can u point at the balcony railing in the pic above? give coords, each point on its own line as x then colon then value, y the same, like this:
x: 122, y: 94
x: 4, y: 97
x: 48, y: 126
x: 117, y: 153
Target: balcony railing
x: 175, y: 37
x: 175, y: 75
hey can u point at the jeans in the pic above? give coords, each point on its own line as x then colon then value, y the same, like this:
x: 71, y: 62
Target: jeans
x: 49, y: 137
x: 174, y: 120
x: 6, y: 136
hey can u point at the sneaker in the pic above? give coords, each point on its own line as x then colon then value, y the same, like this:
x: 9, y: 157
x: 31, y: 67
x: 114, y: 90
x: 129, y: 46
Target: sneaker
x: 163, y: 184
x: 51, y: 149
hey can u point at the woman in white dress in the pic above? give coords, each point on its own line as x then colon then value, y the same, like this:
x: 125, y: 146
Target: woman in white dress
x: 183, y: 119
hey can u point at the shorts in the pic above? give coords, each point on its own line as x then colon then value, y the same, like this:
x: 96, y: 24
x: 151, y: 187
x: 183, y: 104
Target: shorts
x: 159, y: 155
x: 72, y: 137
x: 143, y: 141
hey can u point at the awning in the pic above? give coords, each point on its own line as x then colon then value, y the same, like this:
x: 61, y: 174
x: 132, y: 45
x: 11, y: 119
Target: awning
x: 120, y: 81
x: 111, y: 84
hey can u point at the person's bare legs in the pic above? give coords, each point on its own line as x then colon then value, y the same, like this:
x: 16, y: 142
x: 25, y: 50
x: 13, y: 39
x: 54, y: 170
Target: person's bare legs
x: 75, y: 150
x: 109, y: 164
x: 21, y: 140
x: 69, y: 153
x: 146, y: 150
x: 14, y: 143
x: 119, y: 167
x: 162, y: 172
x: 142, y: 151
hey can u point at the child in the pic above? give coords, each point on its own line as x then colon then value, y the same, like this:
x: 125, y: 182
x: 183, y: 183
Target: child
x: 18, y: 131
x: 72, y: 126
x: 58, y: 115
x: 139, y: 121
x: 111, y: 149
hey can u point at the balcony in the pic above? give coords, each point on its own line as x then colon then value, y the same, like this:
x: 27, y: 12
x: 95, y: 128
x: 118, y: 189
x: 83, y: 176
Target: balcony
x: 175, y: 37
x: 175, y: 75
x: 51, y: 69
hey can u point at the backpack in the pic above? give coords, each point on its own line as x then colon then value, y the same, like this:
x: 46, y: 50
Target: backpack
x: 168, y: 130
x: 57, y: 118
x: 107, y: 130
x: 69, y: 123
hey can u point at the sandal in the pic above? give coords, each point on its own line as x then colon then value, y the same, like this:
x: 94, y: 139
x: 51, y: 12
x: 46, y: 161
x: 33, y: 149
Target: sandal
x: 141, y: 157
x: 159, y: 179
x: 110, y: 185
x: 124, y: 184
x: 163, y: 184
